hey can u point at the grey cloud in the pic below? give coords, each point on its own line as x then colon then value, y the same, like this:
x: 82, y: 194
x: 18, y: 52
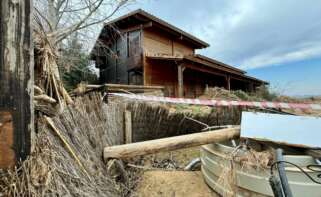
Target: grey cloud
x: 247, y: 33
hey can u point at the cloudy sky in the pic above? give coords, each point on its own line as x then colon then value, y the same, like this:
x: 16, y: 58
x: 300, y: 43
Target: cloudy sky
x: 278, y: 41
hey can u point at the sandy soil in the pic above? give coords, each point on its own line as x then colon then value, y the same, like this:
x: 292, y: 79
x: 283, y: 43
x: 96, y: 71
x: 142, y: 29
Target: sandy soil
x: 173, y: 184
x: 181, y: 157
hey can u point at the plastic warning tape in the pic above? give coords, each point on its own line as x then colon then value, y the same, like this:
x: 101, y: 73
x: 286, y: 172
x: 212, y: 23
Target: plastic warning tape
x: 211, y: 102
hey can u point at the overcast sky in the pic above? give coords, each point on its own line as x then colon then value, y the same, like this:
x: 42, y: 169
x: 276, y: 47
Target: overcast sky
x: 279, y: 41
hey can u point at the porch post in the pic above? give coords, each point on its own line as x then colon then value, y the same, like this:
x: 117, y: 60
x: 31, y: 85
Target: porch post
x: 180, y: 69
x: 251, y: 87
x: 228, y: 82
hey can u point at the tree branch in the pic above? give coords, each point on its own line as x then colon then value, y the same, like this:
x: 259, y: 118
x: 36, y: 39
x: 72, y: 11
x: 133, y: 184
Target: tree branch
x: 62, y: 34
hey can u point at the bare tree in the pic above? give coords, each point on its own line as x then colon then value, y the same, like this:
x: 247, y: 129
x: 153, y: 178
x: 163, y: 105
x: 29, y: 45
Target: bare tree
x: 54, y: 21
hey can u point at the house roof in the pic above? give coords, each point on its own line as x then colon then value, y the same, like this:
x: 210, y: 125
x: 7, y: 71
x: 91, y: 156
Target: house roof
x: 207, y: 62
x: 202, y: 57
x: 142, y: 16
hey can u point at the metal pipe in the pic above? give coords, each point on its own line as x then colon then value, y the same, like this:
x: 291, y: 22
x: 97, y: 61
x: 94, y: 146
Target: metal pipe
x: 281, y: 169
x: 276, y: 186
x: 192, y: 164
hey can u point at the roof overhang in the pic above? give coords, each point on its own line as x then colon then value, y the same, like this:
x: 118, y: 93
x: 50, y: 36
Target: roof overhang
x: 140, y: 17
x: 219, y: 67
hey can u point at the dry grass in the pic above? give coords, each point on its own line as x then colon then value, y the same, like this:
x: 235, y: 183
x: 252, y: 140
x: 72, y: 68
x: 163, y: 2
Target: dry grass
x: 51, y: 170
x: 247, y: 160
x: 47, y: 75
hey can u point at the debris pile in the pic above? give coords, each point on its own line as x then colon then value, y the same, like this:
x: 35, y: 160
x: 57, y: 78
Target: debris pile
x: 51, y: 170
x: 237, y: 95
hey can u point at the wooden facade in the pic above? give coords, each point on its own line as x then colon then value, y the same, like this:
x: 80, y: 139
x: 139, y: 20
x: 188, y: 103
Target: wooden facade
x: 140, y: 49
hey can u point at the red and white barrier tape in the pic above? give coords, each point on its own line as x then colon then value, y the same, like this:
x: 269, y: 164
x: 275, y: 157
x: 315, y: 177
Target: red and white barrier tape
x: 277, y: 105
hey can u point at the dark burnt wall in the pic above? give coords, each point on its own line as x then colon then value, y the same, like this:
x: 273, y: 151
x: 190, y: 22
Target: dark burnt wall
x: 16, y: 80
x: 121, y: 61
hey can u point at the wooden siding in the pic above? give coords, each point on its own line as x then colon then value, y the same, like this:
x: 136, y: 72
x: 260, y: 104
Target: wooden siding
x: 161, y: 73
x: 180, y: 48
x: 156, y: 42
x: 121, y: 60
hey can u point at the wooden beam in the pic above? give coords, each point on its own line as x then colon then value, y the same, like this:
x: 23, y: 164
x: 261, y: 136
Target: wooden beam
x: 205, y: 70
x: 239, y: 78
x: 16, y: 81
x: 128, y: 127
x: 180, y: 78
x: 123, y: 86
x: 171, y: 143
x: 137, y: 27
x: 211, y: 65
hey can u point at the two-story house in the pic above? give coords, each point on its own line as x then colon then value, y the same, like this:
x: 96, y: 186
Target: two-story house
x: 139, y: 48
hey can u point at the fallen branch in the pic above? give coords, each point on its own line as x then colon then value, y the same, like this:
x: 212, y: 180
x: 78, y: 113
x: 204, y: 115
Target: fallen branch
x: 169, y: 144
x: 146, y: 168
x: 53, y: 127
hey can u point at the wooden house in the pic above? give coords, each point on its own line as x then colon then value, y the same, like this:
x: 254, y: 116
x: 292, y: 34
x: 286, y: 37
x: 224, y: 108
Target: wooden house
x: 141, y: 49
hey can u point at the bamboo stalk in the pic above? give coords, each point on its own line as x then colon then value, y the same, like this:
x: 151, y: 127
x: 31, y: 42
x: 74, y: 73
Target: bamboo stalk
x: 73, y: 154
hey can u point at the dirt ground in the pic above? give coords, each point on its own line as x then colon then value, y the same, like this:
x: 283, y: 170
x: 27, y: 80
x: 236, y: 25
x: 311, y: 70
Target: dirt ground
x: 163, y: 175
x: 178, y: 158
x: 173, y: 184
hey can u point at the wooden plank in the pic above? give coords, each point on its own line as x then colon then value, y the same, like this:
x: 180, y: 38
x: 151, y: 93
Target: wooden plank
x: 128, y: 127
x: 297, y: 131
x: 182, y: 48
x: 171, y: 143
x: 16, y: 81
x: 122, y: 86
x: 137, y: 27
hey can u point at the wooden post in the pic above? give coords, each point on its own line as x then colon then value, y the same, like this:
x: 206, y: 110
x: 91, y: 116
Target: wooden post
x: 251, y: 87
x: 128, y: 127
x: 171, y: 143
x: 228, y: 82
x: 180, y: 71
x: 16, y: 81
